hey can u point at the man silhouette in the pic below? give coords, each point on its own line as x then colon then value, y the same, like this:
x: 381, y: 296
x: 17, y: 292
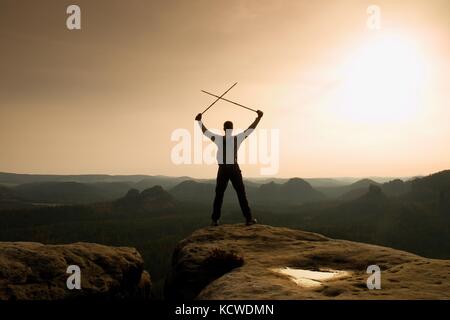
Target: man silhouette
x: 227, y: 149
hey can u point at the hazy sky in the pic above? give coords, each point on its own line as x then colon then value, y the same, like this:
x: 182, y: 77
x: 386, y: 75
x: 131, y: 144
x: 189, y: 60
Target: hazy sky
x: 348, y: 101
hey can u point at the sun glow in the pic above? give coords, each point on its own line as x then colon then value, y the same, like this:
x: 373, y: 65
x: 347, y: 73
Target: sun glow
x: 383, y: 81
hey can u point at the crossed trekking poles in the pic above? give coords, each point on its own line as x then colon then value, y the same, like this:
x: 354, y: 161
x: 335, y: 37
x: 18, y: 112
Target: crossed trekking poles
x: 222, y: 98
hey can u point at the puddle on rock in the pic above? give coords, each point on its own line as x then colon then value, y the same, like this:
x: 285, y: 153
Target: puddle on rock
x: 310, y: 278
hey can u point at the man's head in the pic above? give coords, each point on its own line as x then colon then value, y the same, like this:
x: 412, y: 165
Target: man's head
x: 227, y: 125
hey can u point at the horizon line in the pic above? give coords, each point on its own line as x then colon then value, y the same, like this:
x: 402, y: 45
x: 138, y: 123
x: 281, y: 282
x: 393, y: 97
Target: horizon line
x: 213, y: 177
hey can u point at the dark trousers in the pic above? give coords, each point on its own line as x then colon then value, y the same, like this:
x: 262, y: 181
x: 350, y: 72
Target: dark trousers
x: 230, y: 172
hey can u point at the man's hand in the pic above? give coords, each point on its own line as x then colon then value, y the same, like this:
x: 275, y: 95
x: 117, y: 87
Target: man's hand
x: 260, y: 113
x: 198, y: 117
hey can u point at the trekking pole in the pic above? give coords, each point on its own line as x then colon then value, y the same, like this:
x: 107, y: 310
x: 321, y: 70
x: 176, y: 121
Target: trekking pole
x: 219, y: 97
x: 238, y: 104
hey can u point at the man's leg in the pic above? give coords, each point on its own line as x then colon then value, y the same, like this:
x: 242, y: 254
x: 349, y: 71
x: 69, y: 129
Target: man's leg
x: 221, y: 186
x: 238, y: 184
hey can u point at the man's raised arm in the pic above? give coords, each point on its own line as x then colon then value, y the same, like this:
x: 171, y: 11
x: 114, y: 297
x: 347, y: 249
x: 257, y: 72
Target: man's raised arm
x: 205, y: 130
x: 252, y: 127
x: 255, y: 123
x: 200, y: 123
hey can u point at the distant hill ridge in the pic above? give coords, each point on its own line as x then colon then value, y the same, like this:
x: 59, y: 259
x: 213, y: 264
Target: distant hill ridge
x: 291, y: 191
x: 154, y: 198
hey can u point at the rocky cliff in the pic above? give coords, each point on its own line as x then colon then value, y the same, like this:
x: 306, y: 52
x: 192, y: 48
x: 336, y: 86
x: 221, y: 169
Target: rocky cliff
x: 33, y: 271
x: 263, y: 262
